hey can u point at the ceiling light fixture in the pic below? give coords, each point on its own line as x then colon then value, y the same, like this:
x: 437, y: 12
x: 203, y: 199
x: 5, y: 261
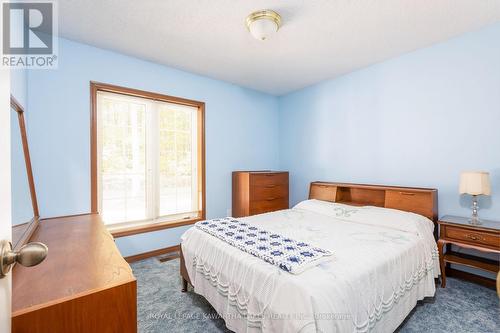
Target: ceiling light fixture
x: 263, y: 23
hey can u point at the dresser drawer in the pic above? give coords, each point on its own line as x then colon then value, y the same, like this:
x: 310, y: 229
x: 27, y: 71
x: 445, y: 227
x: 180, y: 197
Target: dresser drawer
x: 269, y: 205
x: 268, y: 179
x: 272, y: 191
x: 473, y: 236
x: 412, y: 201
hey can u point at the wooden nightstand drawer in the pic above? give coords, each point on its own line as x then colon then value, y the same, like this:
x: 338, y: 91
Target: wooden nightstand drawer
x: 473, y: 236
x: 269, y: 192
x: 264, y: 179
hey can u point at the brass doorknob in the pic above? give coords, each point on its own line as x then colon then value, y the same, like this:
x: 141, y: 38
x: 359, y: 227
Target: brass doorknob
x: 28, y: 255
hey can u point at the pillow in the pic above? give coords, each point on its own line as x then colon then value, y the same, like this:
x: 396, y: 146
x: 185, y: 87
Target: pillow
x: 384, y: 217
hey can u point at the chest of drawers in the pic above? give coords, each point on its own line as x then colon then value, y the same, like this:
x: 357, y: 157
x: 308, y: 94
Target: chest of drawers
x: 257, y: 192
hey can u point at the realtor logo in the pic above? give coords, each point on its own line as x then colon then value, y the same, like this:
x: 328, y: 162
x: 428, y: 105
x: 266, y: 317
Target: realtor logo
x: 29, y: 36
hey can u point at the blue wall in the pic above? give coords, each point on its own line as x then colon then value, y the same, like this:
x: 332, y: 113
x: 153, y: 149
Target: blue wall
x: 22, y: 209
x: 240, y: 130
x: 19, y: 85
x: 416, y: 120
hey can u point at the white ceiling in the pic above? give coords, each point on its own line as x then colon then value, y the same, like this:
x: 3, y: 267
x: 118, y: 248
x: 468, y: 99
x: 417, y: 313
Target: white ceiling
x: 319, y: 39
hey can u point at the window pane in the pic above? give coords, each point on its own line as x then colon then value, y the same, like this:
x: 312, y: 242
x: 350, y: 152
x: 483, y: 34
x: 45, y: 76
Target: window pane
x: 147, y: 159
x: 122, y: 158
x: 177, y: 194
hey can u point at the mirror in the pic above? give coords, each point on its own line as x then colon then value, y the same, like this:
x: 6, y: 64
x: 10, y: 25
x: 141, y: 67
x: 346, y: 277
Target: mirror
x: 24, y: 205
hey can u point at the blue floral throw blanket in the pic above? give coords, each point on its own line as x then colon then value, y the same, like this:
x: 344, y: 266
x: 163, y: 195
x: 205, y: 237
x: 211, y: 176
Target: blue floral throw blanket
x: 288, y: 254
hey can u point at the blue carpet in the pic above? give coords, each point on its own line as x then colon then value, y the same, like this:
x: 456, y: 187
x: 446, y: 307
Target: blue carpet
x: 460, y: 307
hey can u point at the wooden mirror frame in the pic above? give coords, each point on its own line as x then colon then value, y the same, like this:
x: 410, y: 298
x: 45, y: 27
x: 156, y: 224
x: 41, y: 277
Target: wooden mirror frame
x: 21, y: 233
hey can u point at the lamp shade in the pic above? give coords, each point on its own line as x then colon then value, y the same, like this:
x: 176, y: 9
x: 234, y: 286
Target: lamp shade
x: 475, y: 183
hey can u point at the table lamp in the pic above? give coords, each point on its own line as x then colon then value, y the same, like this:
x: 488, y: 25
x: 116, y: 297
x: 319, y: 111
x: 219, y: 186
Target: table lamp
x: 475, y: 183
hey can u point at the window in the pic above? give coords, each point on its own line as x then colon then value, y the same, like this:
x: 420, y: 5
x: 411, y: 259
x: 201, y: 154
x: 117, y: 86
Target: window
x: 147, y: 159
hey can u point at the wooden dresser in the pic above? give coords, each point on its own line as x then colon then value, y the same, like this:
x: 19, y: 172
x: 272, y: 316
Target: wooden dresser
x: 257, y: 192
x: 84, y: 284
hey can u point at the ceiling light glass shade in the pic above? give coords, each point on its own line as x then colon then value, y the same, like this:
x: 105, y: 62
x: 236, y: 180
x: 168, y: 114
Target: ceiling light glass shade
x: 263, y: 24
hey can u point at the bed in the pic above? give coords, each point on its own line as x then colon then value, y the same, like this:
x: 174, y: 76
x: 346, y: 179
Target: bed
x: 384, y: 259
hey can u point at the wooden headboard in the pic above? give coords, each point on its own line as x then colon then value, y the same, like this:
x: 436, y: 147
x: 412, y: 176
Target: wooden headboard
x: 417, y: 200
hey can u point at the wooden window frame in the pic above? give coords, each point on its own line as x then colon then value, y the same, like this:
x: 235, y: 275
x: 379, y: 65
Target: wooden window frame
x: 95, y: 87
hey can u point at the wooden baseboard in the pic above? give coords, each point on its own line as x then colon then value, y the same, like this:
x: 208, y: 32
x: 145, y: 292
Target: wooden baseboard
x: 451, y: 272
x: 153, y: 253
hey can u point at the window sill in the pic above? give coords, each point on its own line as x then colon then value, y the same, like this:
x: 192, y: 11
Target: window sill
x: 129, y: 231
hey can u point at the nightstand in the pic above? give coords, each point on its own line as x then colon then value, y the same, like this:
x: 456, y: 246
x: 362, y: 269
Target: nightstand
x: 455, y: 230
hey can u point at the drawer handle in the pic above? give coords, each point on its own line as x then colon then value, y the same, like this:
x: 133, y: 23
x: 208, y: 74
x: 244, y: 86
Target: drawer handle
x: 406, y: 193
x: 474, y: 237
x: 269, y: 175
x: 270, y: 199
x: 270, y: 186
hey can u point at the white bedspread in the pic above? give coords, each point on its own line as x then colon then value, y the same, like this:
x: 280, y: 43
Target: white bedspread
x: 383, y: 262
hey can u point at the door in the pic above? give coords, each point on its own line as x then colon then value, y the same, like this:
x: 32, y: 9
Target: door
x: 5, y: 195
